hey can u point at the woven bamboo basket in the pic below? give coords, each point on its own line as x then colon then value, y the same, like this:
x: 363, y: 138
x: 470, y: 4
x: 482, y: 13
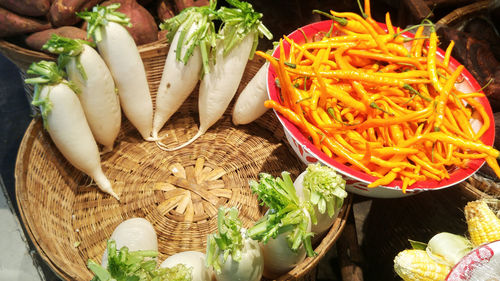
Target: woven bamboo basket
x: 178, y: 192
x: 457, y: 16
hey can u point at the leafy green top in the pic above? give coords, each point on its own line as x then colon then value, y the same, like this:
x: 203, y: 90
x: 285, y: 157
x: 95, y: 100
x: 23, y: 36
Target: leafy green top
x: 286, y: 213
x: 100, y: 16
x: 326, y: 188
x: 238, y: 22
x: 204, y: 36
x: 48, y: 74
x: 229, y: 240
x: 135, y: 266
x: 67, y: 48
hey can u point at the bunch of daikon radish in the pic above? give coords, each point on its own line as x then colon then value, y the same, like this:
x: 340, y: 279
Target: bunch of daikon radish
x: 114, y: 78
x: 271, y: 247
x: 77, y: 122
x: 218, y: 59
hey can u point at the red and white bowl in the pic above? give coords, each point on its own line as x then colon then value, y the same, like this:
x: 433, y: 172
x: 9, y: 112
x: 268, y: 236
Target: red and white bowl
x: 482, y: 264
x: 357, y: 181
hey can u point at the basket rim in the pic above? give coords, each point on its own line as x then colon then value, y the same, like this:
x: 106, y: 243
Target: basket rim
x: 463, y: 11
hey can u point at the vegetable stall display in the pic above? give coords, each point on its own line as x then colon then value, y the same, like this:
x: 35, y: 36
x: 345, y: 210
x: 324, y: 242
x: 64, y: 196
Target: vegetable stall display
x: 65, y: 121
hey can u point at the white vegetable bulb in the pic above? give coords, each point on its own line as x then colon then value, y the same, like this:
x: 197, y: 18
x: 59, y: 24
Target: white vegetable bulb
x: 250, y: 268
x: 324, y: 221
x: 136, y: 234
x: 278, y: 257
x: 448, y: 248
x: 193, y: 259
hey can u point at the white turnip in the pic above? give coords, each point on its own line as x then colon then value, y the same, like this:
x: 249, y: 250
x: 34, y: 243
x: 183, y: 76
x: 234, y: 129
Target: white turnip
x: 137, y: 234
x: 284, y: 231
x: 324, y: 189
x: 233, y: 255
x: 131, y: 254
x: 65, y: 121
x: 192, y: 260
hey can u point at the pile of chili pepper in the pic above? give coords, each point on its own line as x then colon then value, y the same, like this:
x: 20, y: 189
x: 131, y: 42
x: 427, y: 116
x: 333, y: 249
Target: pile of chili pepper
x: 380, y: 102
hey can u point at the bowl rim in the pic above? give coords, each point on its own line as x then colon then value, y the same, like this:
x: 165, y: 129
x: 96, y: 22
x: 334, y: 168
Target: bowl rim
x: 456, y: 176
x: 478, y: 257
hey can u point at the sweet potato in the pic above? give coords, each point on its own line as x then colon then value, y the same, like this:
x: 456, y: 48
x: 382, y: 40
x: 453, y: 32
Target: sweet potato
x: 144, y: 29
x: 36, y: 40
x: 14, y: 24
x: 31, y: 8
x: 62, y: 12
x: 182, y: 4
x: 165, y: 9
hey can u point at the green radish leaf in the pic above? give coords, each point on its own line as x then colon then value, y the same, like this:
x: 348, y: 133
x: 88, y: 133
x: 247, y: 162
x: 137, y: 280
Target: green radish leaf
x: 100, y: 16
x: 286, y: 214
x: 204, y: 36
x: 238, y: 22
x: 48, y: 74
x: 228, y: 241
x: 325, y: 187
x: 124, y: 265
x: 417, y: 245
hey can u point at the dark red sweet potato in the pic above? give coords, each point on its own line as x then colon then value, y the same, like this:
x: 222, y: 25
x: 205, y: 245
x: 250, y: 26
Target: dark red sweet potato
x: 165, y: 9
x: 14, y: 24
x: 181, y: 4
x: 31, y: 8
x: 36, y: 40
x: 62, y: 12
x: 144, y: 29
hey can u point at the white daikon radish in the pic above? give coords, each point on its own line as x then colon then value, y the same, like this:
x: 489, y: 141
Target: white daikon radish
x: 237, y: 41
x: 192, y: 260
x: 135, y: 258
x: 233, y: 255
x: 324, y: 189
x: 87, y: 70
x: 250, y: 103
x: 65, y: 121
x: 118, y: 49
x: 137, y: 234
x: 285, y: 230
x: 190, y: 35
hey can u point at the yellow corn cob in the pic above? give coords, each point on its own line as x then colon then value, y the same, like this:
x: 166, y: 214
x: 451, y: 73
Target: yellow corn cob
x: 416, y: 265
x: 483, y: 224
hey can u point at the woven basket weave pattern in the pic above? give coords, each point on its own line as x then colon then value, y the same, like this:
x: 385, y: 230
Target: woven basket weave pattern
x: 178, y: 192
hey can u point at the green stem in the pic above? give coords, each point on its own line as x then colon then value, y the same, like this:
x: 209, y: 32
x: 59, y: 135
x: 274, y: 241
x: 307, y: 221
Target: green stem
x: 412, y: 90
x: 341, y: 21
